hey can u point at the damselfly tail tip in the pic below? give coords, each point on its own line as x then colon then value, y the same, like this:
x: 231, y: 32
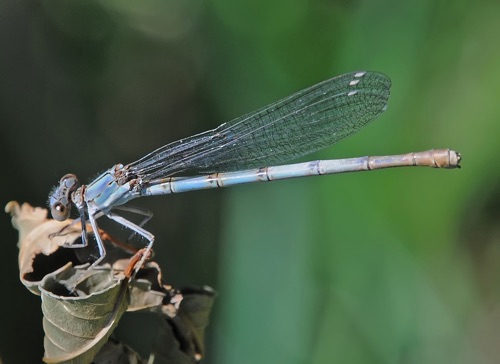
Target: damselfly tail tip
x: 459, y: 159
x: 455, y: 159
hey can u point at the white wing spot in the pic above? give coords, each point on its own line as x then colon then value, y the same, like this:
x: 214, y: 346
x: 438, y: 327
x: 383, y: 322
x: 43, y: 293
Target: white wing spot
x: 359, y: 74
x: 352, y: 93
x: 354, y: 82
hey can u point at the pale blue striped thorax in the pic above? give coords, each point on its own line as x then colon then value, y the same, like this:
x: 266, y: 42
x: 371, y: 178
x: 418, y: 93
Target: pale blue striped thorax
x: 106, y: 191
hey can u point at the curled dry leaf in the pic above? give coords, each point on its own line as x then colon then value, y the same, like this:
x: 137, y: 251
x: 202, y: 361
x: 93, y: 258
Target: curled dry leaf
x: 78, y: 321
x: 40, y: 237
x: 115, y: 352
x: 82, y: 306
x: 146, y: 290
x: 184, y: 320
x: 193, y: 317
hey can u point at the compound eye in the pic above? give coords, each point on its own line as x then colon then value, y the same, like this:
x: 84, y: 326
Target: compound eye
x: 69, y: 181
x: 59, y: 211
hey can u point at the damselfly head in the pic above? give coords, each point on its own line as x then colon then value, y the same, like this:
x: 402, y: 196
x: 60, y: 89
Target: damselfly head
x: 60, y: 197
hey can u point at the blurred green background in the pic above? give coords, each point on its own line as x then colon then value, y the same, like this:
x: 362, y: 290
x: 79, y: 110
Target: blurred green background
x: 394, y: 266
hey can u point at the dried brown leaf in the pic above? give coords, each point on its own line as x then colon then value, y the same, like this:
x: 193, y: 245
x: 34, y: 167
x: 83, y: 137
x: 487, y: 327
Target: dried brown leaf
x: 180, y: 339
x: 77, y: 322
x: 82, y: 306
x: 38, y: 236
